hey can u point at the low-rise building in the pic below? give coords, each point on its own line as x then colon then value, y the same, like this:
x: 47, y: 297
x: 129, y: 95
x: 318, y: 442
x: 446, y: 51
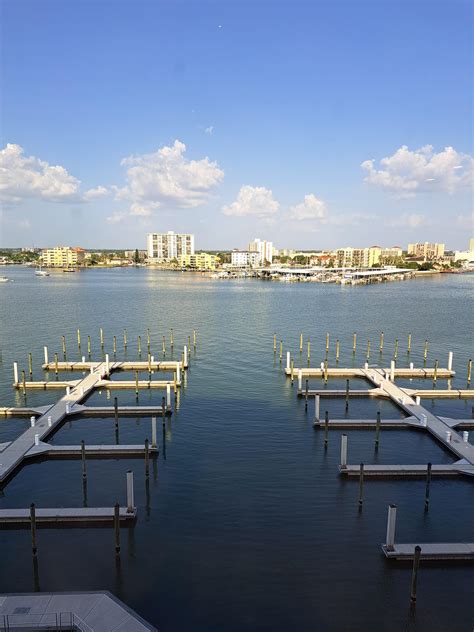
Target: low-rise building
x: 198, y: 261
x: 429, y: 251
x: 244, y: 259
x: 62, y: 257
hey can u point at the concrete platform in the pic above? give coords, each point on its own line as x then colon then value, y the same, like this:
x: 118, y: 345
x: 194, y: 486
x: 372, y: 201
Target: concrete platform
x: 87, y: 611
x: 408, y: 471
x: 63, y: 515
x: 432, y: 551
x: 74, y: 451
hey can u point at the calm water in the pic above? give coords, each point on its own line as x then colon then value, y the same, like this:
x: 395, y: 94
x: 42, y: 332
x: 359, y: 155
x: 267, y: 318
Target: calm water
x: 246, y: 524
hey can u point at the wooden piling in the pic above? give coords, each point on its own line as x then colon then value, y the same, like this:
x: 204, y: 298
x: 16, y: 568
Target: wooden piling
x: 117, y: 528
x: 274, y: 343
x: 139, y: 345
x: 89, y: 345
x: 409, y: 343
x: 115, y: 345
x: 83, y: 458
x: 147, y: 459
x: 427, y: 489
x: 164, y: 345
x: 23, y: 381
x: 326, y: 428
x: 136, y: 383
x: 171, y: 338
x: 292, y: 374
x: 354, y: 342
x: 148, y: 341
x: 301, y: 342
x: 326, y: 371
x: 361, y: 484
x: 64, y: 345
x: 34, y: 548
x: 381, y: 342
x: 30, y: 364
x: 414, y: 575
x: 337, y: 350
x: 377, y: 430
x: 281, y: 349
x: 327, y: 342
x: 125, y: 339
x: 368, y: 349
x: 79, y: 339
x: 395, y: 351
x: 101, y: 336
x: 116, y: 411
x: 469, y: 369
x: 425, y: 351
x: 435, y: 372
x: 194, y: 339
x: 309, y: 351
x: 306, y: 396
x: 347, y: 395
x: 56, y: 369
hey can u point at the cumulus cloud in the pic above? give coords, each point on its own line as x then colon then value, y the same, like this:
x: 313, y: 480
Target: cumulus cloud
x: 257, y: 201
x: 167, y: 178
x: 310, y: 208
x: 409, y: 220
x: 409, y: 172
x: 23, y: 177
x: 95, y: 193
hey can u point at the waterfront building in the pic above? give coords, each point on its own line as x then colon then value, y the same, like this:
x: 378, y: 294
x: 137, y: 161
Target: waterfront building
x: 426, y: 250
x: 244, y: 258
x: 263, y: 248
x: 62, y: 257
x: 466, y: 256
x: 198, y: 261
x: 163, y: 247
x: 395, y: 252
x: 130, y: 254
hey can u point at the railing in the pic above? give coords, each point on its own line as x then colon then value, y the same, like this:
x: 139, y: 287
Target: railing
x: 47, y: 622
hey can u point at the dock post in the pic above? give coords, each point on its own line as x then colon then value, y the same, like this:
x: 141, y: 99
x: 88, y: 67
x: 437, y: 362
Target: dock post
x: 139, y: 345
x: 327, y: 342
x: 326, y: 428
x: 136, y: 383
x: 417, y: 400
x: 435, y: 373
x: 56, y: 368
x: 288, y: 360
x: 171, y: 338
x: 361, y: 484
x: 300, y: 380
x: 83, y: 458
x: 292, y: 374
x: 32, y: 421
x: 425, y: 351
x: 107, y: 365
x: 325, y: 371
x: 194, y: 340
x: 316, y: 407
x: 347, y: 395
x: 101, y: 335
x: 148, y: 341
x: 274, y: 343
x: 409, y: 343
x: 50, y: 421
x: 381, y: 342
x: 391, y: 523
x: 450, y: 361
x: 116, y: 411
x: 79, y: 339
x: 68, y: 390
x: 178, y: 373
x: 185, y: 351
x: 64, y: 345
x: 117, y: 528
x: 465, y: 436
x: 114, y: 345
x: 168, y: 395
x: 377, y: 430
x: 154, y: 441
x: 354, y: 342
x: 428, y: 483
x: 130, y: 497
x: 309, y: 351
x: 281, y: 349
x: 30, y: 364
x: 147, y: 459
x: 23, y: 381
x: 395, y: 351
x: 301, y: 342
x: 343, y: 451
x: 37, y: 439
x: 368, y: 349
x: 45, y: 350
x: 469, y: 368
x: 15, y: 372
x: 34, y: 548
x: 392, y: 371
x: 337, y: 350
x: 89, y: 345
x: 414, y: 576
x: 306, y: 396
x: 163, y: 346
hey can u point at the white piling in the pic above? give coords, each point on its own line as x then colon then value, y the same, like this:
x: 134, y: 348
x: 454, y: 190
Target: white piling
x: 344, y: 451
x: 68, y: 390
x: 50, y: 421
x: 168, y: 395
x: 178, y: 373
x: 152, y: 359
x: 83, y: 359
x: 45, y: 349
x: 417, y: 400
x: 465, y: 436
x: 448, y: 436
x: 153, y: 432
x: 300, y: 380
x: 68, y: 410
x: 391, y: 523
x: 37, y: 439
x: 130, y: 498
x: 288, y: 360
x: 92, y: 369
x: 392, y: 371
x: 316, y: 407
x: 411, y: 366
x: 322, y: 366
x: 366, y: 365
x: 107, y: 364
x: 32, y: 421
x: 15, y: 372
x: 450, y: 361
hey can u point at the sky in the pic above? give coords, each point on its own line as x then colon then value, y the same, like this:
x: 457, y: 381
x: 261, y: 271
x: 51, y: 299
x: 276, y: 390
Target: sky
x: 312, y: 124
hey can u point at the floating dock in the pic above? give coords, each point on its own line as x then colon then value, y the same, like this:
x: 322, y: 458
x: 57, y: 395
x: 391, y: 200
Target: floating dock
x: 432, y: 551
x: 65, y: 515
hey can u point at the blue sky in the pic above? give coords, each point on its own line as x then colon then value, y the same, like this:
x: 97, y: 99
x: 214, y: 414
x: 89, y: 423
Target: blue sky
x: 285, y: 100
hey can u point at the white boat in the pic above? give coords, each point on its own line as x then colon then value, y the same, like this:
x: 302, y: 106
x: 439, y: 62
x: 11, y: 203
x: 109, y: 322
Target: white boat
x: 4, y: 279
x: 41, y: 273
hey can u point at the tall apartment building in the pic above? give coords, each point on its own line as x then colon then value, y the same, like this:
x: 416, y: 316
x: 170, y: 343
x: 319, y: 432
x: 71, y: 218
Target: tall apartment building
x: 426, y: 250
x: 263, y: 248
x: 162, y: 247
x: 62, y: 257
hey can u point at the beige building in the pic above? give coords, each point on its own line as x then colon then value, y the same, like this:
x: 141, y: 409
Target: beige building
x: 62, y: 257
x: 426, y: 250
x: 198, y: 261
x: 358, y: 257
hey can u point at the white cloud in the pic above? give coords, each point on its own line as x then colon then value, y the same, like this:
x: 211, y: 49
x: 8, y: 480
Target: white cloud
x: 23, y: 177
x: 409, y: 172
x: 257, y: 201
x: 97, y: 192
x: 209, y: 130
x: 409, y: 220
x: 311, y: 208
x: 167, y: 178
x: 117, y: 217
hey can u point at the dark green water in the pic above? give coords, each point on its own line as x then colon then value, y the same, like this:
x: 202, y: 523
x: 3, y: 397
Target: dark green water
x: 246, y: 525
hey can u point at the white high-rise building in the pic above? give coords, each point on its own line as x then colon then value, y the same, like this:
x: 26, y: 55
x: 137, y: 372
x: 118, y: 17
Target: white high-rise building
x: 264, y: 249
x: 168, y: 246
